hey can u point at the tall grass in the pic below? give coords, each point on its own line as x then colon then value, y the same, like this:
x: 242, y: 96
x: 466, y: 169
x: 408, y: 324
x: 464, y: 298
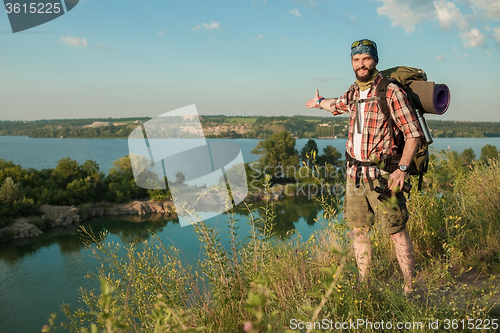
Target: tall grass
x: 260, y: 284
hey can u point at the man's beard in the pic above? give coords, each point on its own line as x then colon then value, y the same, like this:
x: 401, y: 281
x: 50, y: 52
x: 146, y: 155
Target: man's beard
x: 367, y: 77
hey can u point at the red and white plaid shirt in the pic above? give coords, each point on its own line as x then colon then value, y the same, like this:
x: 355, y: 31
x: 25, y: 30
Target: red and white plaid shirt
x: 376, y: 137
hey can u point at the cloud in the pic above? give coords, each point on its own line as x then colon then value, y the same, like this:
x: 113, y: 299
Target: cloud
x: 496, y: 34
x: 407, y: 13
x: 295, y: 12
x: 212, y: 25
x: 473, y: 38
x: 161, y: 32
x: 349, y: 18
x: 448, y: 13
x: 74, y: 41
x: 259, y: 37
x: 487, y: 8
x: 283, y: 38
x: 441, y: 58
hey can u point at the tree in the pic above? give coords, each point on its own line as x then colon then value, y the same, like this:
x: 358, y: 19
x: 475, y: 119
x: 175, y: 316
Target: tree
x: 180, y: 177
x: 488, y: 152
x: 10, y: 191
x: 330, y: 155
x: 309, y: 152
x: 278, y: 154
x: 122, y: 168
x: 469, y: 156
x: 66, y: 171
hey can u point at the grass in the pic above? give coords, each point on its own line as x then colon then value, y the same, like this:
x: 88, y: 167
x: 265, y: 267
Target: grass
x: 245, y: 120
x: 255, y: 283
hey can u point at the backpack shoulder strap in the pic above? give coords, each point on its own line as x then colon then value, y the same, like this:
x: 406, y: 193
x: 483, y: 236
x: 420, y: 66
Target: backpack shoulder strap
x: 381, y: 93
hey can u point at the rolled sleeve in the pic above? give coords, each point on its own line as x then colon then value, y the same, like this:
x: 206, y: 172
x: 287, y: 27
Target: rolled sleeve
x: 340, y: 105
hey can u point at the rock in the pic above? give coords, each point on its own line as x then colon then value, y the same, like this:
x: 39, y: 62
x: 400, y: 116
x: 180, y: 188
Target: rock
x: 141, y: 208
x: 22, y: 229
x: 60, y: 215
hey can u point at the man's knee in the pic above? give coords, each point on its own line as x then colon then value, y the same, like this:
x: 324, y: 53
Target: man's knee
x: 359, y: 232
x: 402, y: 233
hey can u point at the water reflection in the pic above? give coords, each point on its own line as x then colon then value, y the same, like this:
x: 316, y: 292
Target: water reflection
x: 69, y: 238
x: 289, y: 213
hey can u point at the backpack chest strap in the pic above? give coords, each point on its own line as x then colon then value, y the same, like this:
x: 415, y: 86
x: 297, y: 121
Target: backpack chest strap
x: 356, y: 103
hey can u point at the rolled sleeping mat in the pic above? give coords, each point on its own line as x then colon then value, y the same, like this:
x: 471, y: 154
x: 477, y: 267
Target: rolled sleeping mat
x: 431, y: 97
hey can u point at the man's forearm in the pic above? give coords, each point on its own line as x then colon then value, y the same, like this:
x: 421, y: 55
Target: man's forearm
x: 409, y: 151
x: 325, y: 104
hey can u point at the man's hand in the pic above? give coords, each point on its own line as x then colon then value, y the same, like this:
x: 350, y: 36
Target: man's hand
x: 312, y: 102
x: 396, y: 180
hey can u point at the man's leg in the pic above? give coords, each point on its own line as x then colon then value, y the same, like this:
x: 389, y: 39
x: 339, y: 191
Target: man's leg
x: 406, y: 257
x: 362, y: 250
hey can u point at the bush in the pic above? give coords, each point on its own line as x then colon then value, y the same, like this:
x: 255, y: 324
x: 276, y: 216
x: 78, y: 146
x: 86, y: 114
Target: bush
x: 6, y: 234
x: 85, y: 210
x: 41, y: 223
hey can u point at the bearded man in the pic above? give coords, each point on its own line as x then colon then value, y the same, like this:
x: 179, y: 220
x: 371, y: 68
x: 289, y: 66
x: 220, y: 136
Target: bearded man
x: 370, y: 140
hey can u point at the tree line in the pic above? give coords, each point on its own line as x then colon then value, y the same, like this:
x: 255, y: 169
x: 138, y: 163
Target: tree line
x: 23, y: 191
x: 254, y: 127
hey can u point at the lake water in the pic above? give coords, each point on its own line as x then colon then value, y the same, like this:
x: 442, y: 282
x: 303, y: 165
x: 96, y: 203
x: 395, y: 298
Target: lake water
x: 45, y: 153
x: 37, y: 276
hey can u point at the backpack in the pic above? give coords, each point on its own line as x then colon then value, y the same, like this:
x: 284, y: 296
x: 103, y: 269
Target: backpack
x: 403, y: 76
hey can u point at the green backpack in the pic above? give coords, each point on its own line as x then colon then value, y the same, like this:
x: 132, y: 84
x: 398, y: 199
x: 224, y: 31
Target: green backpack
x: 402, y: 76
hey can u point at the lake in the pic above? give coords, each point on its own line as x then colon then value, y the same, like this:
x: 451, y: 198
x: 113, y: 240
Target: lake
x: 38, y: 275
x: 45, y: 153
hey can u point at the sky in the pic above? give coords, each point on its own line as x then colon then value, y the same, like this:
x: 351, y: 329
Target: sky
x: 124, y: 58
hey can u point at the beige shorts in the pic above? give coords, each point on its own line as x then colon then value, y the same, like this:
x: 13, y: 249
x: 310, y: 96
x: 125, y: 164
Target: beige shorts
x: 362, y: 208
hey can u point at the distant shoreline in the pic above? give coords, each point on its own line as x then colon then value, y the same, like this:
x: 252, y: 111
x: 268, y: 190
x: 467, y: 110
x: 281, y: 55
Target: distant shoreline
x: 223, y: 127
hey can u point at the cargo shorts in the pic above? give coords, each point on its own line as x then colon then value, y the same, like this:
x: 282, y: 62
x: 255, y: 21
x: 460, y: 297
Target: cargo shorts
x: 362, y: 208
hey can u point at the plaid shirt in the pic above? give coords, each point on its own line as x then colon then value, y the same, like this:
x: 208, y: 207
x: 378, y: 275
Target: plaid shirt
x: 376, y: 137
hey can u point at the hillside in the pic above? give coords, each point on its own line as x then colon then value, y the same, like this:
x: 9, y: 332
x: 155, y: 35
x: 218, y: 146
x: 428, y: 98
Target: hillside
x: 230, y: 127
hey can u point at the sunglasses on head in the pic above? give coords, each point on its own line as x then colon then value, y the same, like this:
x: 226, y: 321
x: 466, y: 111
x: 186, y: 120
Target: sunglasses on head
x: 365, y: 42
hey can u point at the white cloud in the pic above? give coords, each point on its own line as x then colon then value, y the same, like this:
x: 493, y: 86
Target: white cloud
x: 441, y: 58
x: 496, y: 33
x: 488, y: 8
x: 473, y: 38
x: 283, y: 38
x: 74, y: 41
x: 161, y: 32
x: 295, y: 12
x: 212, y: 25
x: 448, y: 13
x: 406, y: 13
